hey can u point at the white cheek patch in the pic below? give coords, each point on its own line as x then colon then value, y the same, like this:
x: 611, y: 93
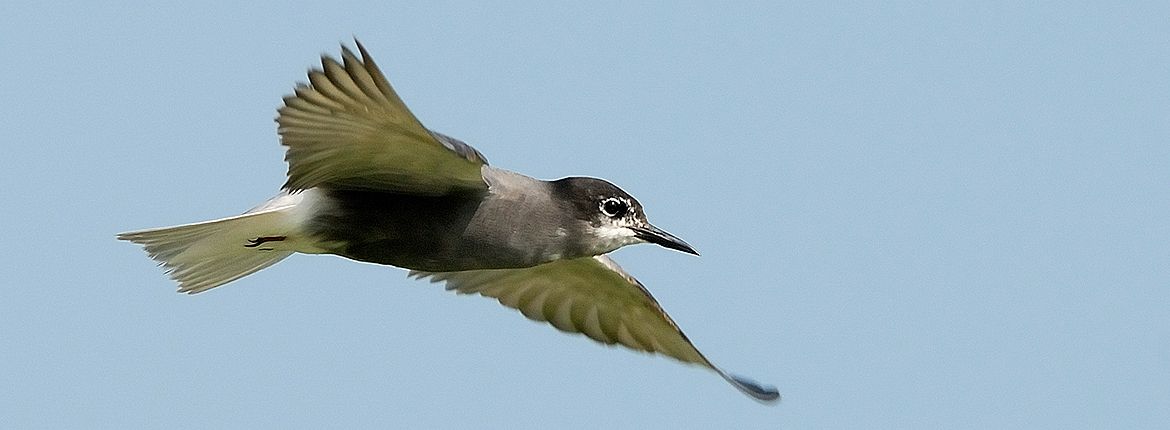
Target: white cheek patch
x: 613, y: 231
x: 611, y: 237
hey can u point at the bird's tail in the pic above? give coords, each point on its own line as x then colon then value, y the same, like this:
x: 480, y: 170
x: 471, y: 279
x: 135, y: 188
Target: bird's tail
x: 205, y: 255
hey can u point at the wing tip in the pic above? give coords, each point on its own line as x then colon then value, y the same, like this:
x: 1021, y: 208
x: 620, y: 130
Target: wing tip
x: 763, y: 393
x: 362, y: 50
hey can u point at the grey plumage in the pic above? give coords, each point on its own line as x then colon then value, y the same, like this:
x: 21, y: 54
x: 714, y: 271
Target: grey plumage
x: 367, y: 181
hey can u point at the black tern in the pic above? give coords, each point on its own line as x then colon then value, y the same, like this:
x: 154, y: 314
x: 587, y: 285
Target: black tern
x: 367, y: 181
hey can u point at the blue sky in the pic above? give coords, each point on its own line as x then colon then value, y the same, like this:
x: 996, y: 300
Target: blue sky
x: 911, y: 215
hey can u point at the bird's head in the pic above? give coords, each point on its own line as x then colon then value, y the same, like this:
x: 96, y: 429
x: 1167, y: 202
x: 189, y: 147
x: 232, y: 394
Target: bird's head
x: 609, y: 218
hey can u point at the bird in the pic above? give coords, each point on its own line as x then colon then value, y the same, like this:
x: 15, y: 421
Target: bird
x: 368, y: 182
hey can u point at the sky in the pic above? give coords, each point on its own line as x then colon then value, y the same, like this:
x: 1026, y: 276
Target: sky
x: 911, y: 215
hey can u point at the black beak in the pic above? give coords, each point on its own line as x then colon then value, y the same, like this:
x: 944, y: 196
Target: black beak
x: 660, y: 237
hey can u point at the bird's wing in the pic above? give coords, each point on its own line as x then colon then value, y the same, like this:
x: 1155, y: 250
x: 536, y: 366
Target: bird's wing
x: 348, y: 129
x: 593, y: 296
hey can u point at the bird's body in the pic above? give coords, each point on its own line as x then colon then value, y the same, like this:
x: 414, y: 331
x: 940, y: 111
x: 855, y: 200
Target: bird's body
x: 510, y: 225
x: 368, y: 182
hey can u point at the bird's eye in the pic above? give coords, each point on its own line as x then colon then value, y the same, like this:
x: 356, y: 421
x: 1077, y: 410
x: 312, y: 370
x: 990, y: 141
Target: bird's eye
x: 613, y: 207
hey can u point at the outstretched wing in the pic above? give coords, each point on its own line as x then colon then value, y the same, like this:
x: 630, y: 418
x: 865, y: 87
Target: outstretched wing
x: 595, y: 297
x: 347, y: 128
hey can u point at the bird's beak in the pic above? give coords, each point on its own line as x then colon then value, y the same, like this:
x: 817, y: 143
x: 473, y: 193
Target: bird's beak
x: 660, y: 237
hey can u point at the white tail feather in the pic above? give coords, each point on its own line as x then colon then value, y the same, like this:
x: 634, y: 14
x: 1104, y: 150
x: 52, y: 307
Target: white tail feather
x: 205, y: 255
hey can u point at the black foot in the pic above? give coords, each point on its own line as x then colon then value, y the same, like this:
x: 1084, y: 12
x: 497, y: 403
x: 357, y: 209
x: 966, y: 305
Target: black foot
x: 252, y: 243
